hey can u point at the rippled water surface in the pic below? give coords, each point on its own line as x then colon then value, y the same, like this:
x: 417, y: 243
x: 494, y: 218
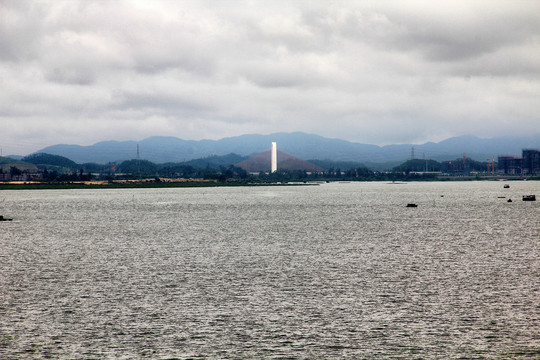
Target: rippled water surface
x: 329, y: 271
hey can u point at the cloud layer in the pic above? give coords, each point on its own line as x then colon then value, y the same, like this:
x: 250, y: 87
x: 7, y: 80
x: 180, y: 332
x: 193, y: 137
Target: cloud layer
x: 374, y: 72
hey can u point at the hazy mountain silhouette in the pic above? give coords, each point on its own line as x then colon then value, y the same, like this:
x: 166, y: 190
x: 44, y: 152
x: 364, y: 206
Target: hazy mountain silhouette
x: 161, y: 149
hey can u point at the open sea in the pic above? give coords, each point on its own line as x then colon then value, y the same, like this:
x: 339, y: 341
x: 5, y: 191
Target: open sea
x: 335, y: 271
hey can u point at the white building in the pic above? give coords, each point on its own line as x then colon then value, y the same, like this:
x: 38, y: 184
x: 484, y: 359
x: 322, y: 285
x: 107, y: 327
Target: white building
x: 273, y: 167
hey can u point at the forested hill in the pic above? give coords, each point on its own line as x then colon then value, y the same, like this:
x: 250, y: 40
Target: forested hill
x: 49, y: 159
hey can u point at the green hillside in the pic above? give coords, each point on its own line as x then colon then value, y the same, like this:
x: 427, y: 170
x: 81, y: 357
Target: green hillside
x: 43, y: 160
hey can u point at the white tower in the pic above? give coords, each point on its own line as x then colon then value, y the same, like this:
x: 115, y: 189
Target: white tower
x: 274, y: 158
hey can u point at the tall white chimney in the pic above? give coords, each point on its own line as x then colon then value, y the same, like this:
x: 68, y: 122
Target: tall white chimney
x: 274, y: 157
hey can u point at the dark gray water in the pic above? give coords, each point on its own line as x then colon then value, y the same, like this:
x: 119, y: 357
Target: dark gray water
x: 330, y: 271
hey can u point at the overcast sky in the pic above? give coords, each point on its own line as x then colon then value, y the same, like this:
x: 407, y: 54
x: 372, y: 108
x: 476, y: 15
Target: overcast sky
x: 377, y: 72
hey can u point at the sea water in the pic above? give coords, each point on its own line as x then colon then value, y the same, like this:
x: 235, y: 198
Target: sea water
x: 340, y: 270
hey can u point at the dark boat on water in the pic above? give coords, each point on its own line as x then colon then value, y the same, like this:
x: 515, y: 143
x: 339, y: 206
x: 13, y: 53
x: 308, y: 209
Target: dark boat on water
x: 2, y: 218
x: 529, y: 197
x: 412, y: 205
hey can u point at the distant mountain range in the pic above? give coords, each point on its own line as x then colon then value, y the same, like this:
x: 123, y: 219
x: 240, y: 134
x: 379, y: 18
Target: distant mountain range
x: 160, y: 149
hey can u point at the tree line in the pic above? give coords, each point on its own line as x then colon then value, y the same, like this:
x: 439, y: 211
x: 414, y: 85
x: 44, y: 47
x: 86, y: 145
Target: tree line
x: 58, y: 168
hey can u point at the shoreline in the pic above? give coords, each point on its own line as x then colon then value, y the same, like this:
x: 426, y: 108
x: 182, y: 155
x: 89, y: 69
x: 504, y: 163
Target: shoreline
x: 131, y: 184
x: 190, y: 183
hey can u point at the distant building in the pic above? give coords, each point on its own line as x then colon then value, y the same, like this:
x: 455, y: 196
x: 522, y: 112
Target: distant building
x: 528, y: 164
x: 510, y: 165
x: 20, y: 172
x: 274, y: 158
x: 531, y: 161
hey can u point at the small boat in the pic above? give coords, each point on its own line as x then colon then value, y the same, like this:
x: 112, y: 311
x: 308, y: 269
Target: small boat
x: 2, y: 218
x: 529, y: 197
x: 509, y: 200
x: 506, y: 186
x: 412, y: 205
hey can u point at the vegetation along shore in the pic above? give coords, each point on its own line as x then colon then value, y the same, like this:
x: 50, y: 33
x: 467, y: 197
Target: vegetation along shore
x: 45, y: 171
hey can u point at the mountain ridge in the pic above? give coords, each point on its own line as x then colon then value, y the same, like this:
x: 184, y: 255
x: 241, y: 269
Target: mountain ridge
x: 162, y: 149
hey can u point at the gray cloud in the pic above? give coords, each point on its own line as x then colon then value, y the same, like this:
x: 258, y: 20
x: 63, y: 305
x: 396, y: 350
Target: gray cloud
x: 376, y: 72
